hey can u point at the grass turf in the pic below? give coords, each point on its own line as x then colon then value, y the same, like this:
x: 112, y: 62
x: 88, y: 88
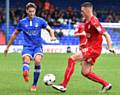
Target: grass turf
x: 12, y: 83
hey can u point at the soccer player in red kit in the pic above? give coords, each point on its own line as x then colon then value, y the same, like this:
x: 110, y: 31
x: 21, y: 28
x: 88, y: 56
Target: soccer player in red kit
x: 89, y: 51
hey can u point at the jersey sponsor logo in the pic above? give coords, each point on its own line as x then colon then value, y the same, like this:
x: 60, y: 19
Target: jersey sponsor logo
x: 32, y: 32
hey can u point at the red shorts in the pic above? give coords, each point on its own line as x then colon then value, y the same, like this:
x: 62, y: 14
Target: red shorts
x: 90, y: 54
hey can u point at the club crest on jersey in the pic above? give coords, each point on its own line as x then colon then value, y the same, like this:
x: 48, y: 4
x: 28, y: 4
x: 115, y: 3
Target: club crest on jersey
x: 26, y: 25
x: 36, y: 24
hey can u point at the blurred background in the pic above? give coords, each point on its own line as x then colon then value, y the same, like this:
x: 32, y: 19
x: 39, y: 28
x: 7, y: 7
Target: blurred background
x: 62, y: 16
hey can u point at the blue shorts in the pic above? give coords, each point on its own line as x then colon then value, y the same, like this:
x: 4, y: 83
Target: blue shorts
x: 32, y: 51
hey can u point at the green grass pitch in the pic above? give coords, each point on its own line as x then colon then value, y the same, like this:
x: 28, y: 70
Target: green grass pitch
x: 12, y: 83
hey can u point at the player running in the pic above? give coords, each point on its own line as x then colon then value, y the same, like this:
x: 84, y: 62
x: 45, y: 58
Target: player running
x: 89, y: 51
x: 32, y: 47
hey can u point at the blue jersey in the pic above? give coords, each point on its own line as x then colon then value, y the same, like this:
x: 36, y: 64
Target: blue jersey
x: 32, y: 30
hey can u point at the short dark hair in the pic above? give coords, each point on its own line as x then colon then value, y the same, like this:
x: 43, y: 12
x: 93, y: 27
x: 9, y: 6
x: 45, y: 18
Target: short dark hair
x: 87, y: 4
x: 30, y: 4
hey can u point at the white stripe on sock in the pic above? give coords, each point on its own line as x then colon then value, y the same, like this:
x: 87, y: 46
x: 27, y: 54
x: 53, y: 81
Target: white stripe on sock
x: 35, y: 70
x: 26, y: 65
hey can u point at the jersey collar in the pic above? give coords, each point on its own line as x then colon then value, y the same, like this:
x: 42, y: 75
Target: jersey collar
x: 32, y: 18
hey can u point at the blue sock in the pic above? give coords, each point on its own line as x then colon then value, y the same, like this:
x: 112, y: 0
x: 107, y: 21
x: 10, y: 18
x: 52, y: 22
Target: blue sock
x: 36, y: 74
x: 25, y: 66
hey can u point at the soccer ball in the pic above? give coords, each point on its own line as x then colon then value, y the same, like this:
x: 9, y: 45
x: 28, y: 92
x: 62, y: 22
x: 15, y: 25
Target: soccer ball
x: 49, y: 79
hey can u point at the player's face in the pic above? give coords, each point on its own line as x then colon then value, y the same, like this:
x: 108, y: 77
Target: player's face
x: 85, y: 11
x: 31, y: 12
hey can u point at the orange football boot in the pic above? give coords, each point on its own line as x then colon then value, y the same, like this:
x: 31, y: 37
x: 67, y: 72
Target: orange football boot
x: 26, y: 75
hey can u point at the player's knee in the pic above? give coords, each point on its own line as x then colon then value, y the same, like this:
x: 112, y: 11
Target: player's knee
x: 72, y: 57
x: 77, y: 57
x: 26, y: 59
x: 38, y: 59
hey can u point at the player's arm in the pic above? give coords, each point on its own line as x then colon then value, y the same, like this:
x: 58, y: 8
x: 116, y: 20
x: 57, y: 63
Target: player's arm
x: 109, y: 42
x: 77, y: 34
x: 95, y: 22
x: 51, y: 32
x: 79, y: 31
x: 13, y: 37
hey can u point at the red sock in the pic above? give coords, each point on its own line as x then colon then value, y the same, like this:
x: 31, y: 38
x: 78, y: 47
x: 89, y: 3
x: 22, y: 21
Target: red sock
x: 92, y: 76
x: 69, y: 71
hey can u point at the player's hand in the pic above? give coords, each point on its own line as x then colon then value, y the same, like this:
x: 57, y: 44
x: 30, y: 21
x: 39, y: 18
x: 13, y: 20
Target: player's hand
x: 6, y: 51
x: 112, y: 51
x: 53, y: 38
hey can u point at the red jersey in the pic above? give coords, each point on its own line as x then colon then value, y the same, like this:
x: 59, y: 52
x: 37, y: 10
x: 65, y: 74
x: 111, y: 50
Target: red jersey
x: 94, y: 31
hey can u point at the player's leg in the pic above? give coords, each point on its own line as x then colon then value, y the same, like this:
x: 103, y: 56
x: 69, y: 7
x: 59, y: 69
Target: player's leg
x: 69, y: 71
x: 70, y: 67
x: 87, y: 72
x: 26, y: 61
x: 27, y: 56
x: 37, y: 67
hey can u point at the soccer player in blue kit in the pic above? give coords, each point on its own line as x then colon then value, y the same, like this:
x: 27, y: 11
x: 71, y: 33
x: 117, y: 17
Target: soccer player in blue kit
x: 32, y: 47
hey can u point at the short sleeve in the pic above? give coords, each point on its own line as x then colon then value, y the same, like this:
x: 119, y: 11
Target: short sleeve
x: 44, y: 24
x: 19, y: 26
x: 95, y: 22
